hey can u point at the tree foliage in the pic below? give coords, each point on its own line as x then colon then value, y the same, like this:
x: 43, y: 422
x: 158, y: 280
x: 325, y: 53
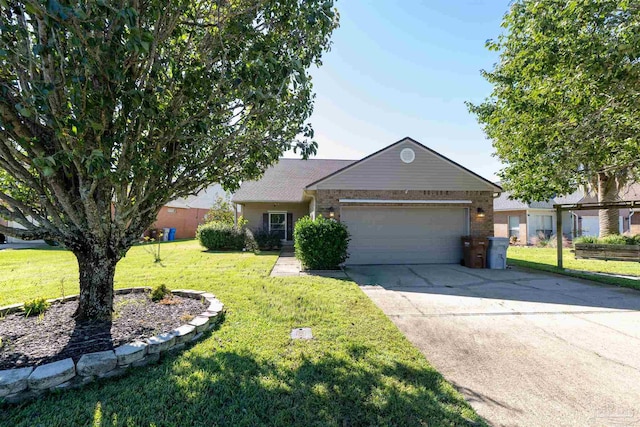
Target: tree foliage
x: 109, y: 109
x: 565, y: 106
x: 221, y: 211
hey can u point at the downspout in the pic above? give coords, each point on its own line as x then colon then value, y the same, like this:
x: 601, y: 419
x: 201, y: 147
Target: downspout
x: 631, y: 212
x: 313, y: 200
x: 526, y: 243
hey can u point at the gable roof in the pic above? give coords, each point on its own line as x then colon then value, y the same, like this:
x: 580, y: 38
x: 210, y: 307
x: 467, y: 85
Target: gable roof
x: 286, y: 180
x: 490, y: 184
x: 505, y: 203
x: 203, y: 200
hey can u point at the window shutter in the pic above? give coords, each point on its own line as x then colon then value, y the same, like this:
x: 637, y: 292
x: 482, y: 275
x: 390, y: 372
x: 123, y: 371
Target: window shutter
x: 265, y: 221
x: 289, y: 226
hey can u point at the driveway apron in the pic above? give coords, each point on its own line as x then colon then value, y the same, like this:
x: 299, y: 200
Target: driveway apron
x: 525, y: 349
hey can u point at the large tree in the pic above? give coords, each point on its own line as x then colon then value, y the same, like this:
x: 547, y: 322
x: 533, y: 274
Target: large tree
x: 565, y: 108
x: 110, y: 109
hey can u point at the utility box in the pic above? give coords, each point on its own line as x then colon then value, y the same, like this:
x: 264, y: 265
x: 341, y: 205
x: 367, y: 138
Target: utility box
x: 497, y: 253
x: 475, y: 251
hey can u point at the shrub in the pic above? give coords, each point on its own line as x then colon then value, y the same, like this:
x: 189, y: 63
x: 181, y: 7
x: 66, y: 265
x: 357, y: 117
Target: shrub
x: 220, y: 236
x: 265, y: 240
x: 612, y: 239
x: 586, y: 239
x: 321, y: 244
x: 160, y: 292
x: 553, y: 242
x: 221, y: 211
x: 35, y: 306
x: 540, y: 241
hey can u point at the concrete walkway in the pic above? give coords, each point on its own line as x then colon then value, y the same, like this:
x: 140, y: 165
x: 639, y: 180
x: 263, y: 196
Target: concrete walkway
x: 287, y: 263
x: 525, y: 349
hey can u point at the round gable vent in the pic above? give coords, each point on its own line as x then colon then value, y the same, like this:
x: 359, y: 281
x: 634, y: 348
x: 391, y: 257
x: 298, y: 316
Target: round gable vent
x: 407, y: 155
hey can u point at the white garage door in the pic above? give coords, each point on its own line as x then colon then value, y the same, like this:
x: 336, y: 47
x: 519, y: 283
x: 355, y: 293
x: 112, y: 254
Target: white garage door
x: 404, y: 235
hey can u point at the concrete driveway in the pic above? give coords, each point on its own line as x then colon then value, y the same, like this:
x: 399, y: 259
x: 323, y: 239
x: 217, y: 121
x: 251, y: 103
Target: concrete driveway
x: 525, y: 349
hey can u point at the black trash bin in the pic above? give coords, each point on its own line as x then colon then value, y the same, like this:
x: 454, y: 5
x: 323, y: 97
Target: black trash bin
x: 475, y: 251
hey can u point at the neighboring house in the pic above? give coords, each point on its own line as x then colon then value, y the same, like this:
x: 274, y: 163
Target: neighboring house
x: 530, y: 221
x: 404, y: 204
x: 185, y: 214
x: 13, y: 224
x: 629, y: 221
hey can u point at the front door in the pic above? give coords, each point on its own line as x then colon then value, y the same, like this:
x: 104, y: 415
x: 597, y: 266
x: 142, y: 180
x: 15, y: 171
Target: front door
x: 278, y: 224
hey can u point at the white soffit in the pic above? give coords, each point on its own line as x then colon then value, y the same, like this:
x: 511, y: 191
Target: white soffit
x: 406, y: 201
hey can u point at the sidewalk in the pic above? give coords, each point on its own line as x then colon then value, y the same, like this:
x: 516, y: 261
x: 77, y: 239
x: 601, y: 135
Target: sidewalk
x: 287, y: 264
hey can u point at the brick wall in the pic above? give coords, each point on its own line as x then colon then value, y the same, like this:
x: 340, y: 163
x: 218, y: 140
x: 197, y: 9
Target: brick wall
x: 635, y: 224
x: 479, y: 226
x: 185, y: 221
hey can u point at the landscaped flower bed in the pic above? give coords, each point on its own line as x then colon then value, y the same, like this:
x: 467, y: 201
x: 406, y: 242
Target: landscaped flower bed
x: 610, y: 248
x: 38, y: 363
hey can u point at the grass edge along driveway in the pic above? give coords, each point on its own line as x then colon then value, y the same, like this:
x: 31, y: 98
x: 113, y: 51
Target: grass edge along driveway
x: 359, y: 370
x: 545, y: 259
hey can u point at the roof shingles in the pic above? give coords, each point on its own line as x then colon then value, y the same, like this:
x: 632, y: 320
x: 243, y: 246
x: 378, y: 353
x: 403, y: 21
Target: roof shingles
x: 286, y: 180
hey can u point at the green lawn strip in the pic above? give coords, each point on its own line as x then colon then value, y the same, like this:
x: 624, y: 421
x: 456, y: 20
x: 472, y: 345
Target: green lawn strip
x: 545, y: 259
x: 358, y: 370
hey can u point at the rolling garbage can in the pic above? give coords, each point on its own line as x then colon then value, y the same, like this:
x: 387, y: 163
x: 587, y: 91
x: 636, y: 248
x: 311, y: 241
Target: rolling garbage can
x: 153, y: 234
x: 497, y: 253
x: 165, y: 234
x: 475, y: 251
x: 172, y: 234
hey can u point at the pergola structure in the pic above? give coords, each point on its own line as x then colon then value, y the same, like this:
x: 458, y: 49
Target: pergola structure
x: 631, y: 204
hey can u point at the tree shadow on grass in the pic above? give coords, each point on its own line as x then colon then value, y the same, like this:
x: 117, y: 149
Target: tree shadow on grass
x: 238, y: 389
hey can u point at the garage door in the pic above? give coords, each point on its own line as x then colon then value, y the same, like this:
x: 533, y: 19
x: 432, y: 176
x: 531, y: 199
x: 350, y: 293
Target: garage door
x: 401, y: 235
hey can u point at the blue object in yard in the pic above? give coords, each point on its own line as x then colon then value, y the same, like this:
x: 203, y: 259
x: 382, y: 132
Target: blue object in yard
x: 172, y: 234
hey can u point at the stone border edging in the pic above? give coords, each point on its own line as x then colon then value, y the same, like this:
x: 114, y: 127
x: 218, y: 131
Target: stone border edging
x: 20, y: 384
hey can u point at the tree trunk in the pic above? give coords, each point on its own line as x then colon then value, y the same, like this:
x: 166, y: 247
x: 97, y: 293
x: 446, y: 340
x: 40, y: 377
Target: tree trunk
x: 97, y: 270
x: 609, y: 219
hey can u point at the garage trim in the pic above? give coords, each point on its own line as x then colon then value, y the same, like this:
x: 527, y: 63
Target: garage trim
x: 405, y: 201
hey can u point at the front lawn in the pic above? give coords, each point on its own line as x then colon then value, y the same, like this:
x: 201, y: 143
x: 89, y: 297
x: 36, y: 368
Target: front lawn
x: 546, y: 259
x: 358, y: 370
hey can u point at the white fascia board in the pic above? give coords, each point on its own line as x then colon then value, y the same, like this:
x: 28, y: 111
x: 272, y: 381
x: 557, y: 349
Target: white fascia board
x: 405, y: 201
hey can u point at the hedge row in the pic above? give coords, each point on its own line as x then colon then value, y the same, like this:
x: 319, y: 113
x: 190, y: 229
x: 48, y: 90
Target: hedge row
x: 220, y: 236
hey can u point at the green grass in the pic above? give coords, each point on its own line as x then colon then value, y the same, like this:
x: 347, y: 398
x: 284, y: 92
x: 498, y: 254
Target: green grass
x: 358, y: 370
x: 546, y: 258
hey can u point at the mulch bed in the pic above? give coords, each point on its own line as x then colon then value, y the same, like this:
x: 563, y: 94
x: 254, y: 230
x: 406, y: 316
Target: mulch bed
x: 35, y: 340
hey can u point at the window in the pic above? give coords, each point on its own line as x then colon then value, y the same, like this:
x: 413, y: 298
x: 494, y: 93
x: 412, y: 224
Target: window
x: 543, y: 225
x: 514, y: 226
x: 278, y: 224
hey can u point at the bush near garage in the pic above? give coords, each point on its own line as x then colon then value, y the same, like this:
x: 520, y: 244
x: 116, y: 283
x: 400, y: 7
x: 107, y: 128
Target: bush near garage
x: 321, y: 244
x: 219, y: 236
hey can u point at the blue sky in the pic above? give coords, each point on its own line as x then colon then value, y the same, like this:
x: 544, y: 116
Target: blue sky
x: 405, y: 69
